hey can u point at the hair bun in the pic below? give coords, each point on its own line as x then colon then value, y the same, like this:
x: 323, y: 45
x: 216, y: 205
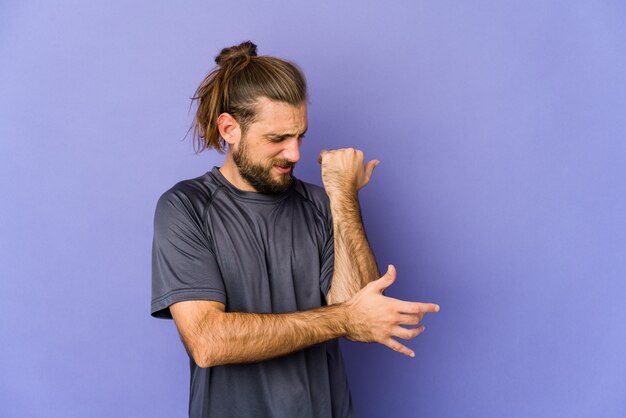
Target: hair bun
x: 244, y: 50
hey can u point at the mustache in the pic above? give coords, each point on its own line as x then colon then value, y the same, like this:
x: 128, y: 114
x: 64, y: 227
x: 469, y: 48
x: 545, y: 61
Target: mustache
x: 284, y: 163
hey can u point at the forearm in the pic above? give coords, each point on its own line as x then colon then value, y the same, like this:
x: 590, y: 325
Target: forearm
x: 237, y: 337
x: 355, y: 265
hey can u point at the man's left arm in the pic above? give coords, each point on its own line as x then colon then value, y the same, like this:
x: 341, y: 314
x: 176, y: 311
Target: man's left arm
x: 343, y: 174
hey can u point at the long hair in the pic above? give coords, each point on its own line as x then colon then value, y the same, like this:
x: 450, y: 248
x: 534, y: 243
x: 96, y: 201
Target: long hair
x: 234, y: 86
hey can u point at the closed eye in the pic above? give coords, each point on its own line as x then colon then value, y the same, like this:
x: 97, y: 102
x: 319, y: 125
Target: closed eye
x: 282, y: 138
x: 278, y: 138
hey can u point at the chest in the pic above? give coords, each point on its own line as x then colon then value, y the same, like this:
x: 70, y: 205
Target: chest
x: 269, y: 255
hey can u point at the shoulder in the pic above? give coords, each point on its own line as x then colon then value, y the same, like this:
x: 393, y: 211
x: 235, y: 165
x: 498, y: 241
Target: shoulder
x: 315, y: 195
x: 188, y: 198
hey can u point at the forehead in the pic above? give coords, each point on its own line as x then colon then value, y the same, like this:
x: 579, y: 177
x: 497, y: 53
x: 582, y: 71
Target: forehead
x: 279, y: 117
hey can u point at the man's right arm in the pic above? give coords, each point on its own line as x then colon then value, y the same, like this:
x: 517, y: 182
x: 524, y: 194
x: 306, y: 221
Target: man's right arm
x: 214, y: 337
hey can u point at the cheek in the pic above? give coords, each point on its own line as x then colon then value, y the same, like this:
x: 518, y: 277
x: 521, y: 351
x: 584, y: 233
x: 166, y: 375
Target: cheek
x: 270, y: 155
x: 264, y: 160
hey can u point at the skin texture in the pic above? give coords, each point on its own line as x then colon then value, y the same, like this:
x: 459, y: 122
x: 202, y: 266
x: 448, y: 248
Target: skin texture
x: 270, y: 142
x: 344, y: 174
x: 358, y: 310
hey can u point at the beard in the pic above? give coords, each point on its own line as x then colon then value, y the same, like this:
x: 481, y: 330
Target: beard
x: 260, y: 176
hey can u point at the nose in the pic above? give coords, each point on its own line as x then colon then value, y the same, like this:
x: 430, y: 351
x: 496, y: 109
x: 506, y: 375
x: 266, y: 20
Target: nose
x: 291, y: 151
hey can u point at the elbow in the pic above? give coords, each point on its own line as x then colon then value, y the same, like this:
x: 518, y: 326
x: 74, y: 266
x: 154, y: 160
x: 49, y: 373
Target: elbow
x: 332, y: 298
x: 209, y: 354
x: 329, y: 299
x: 201, y: 355
x: 200, y: 330
x: 203, y: 365
x: 202, y: 362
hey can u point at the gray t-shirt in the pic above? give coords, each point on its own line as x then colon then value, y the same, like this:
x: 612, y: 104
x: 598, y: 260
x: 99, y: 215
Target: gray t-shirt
x: 254, y: 252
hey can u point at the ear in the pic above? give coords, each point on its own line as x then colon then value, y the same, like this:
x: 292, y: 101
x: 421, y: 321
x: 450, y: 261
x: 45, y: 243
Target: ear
x: 229, y: 128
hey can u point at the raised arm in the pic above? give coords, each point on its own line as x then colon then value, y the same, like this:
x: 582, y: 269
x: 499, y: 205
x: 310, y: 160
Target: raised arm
x: 343, y: 174
x: 214, y: 337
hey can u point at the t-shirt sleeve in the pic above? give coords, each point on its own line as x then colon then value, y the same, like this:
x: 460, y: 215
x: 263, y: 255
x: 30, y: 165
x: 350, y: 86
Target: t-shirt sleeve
x: 327, y: 258
x: 184, y: 266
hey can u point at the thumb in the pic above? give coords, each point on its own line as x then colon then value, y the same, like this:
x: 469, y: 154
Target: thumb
x: 369, y: 168
x: 387, y: 279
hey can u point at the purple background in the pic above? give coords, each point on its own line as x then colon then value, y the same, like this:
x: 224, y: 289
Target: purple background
x: 501, y: 130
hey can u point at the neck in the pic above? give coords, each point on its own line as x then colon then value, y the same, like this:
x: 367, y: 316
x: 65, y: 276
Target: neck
x: 231, y: 173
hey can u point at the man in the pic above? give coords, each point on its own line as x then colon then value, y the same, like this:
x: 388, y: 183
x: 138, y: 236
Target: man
x: 262, y: 272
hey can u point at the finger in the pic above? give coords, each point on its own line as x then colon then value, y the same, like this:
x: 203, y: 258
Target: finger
x: 319, y: 157
x: 369, y: 168
x: 396, y: 346
x: 358, y: 154
x: 406, y: 319
x: 387, y: 279
x: 408, y: 333
x: 418, y: 307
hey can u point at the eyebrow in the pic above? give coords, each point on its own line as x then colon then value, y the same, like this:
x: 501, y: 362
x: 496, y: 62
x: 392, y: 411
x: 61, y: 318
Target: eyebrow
x: 278, y: 135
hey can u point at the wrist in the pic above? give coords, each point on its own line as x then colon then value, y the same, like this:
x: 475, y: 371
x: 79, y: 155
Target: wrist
x: 342, y: 194
x: 345, y: 318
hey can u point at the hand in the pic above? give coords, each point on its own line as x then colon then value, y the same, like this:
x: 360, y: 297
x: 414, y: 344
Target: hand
x: 343, y: 170
x: 373, y: 317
